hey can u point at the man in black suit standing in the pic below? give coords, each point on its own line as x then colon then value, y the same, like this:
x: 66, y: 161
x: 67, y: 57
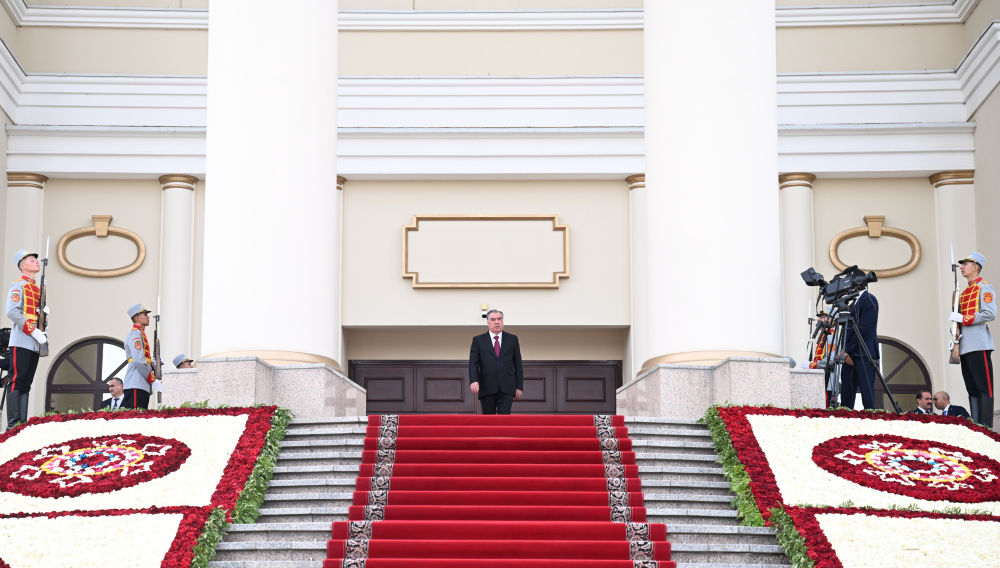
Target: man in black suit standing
x: 925, y: 403
x: 495, y: 370
x: 857, y: 373
x: 942, y: 401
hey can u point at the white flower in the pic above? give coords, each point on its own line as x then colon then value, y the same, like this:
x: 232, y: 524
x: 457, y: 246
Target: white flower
x: 861, y: 541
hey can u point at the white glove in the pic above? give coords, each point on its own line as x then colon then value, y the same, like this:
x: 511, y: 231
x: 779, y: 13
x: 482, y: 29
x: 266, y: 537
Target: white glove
x: 158, y: 385
x: 45, y: 310
x: 39, y: 336
x: 955, y: 317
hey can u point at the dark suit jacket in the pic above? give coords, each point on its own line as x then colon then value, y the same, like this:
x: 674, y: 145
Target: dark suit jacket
x: 919, y: 411
x: 107, y: 403
x: 865, y: 313
x: 496, y: 374
x: 955, y: 410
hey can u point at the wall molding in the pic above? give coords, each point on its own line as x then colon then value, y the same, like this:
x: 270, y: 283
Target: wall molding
x: 835, y: 124
x: 820, y: 15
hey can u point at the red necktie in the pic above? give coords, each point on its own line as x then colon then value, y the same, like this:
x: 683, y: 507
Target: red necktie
x: 496, y: 345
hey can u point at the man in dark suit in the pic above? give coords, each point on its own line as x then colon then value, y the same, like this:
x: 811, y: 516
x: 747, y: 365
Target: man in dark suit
x: 942, y: 401
x: 117, y: 395
x: 495, y: 370
x: 857, y: 372
x: 925, y: 403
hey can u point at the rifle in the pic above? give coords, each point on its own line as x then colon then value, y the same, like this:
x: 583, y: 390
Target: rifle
x: 43, y: 319
x: 953, y: 356
x: 157, y: 363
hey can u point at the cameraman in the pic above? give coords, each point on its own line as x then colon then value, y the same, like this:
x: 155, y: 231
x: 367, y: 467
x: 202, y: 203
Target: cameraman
x: 858, y: 371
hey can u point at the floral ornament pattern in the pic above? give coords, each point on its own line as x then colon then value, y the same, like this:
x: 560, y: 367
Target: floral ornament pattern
x: 920, y: 468
x: 65, y: 478
x: 810, y: 462
x: 87, y: 465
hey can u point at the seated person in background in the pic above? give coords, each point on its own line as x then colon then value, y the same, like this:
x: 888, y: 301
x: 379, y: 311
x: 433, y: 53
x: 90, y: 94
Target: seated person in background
x: 117, y: 394
x: 925, y: 403
x: 942, y: 401
x: 182, y: 362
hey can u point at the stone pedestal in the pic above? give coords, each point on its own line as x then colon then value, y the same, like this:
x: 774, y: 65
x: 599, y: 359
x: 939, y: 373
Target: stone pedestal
x: 308, y: 390
x: 686, y: 391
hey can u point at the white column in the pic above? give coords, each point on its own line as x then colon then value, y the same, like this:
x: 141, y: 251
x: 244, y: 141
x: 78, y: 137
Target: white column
x: 797, y: 254
x: 272, y: 210
x: 710, y: 224
x: 954, y: 211
x: 23, y: 223
x: 176, y: 264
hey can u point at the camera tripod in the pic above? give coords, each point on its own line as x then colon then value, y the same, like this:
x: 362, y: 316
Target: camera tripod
x: 841, y: 319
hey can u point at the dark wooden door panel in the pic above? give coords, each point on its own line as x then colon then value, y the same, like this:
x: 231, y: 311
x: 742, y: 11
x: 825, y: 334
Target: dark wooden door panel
x: 539, y: 391
x: 442, y: 387
x: 584, y: 389
x: 390, y: 389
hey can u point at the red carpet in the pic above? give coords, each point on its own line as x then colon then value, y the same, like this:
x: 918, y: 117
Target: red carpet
x: 524, y: 491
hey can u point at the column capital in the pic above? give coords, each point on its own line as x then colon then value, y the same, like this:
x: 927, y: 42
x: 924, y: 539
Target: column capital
x: 636, y: 181
x: 341, y: 180
x: 799, y: 179
x: 25, y: 179
x: 178, y: 181
x: 952, y: 177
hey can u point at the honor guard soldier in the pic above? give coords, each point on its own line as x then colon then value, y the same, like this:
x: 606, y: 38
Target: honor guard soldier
x: 182, y: 362
x: 25, y: 337
x: 977, y: 306
x: 139, y: 373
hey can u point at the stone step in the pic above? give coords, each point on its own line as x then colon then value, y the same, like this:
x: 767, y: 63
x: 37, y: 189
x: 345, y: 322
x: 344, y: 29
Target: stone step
x: 287, y: 459
x: 272, y: 532
x: 321, y: 421
x: 264, y: 564
x: 317, y: 514
x: 719, y: 534
x: 352, y: 443
x: 675, y: 458
x: 659, y: 470
x: 684, y: 487
x: 675, y: 517
x: 643, y: 433
x: 697, y: 565
x: 314, y: 551
x: 730, y: 554
x: 324, y: 472
x: 689, y: 501
x: 672, y: 446
x: 325, y: 486
x: 661, y: 426
x: 311, y: 499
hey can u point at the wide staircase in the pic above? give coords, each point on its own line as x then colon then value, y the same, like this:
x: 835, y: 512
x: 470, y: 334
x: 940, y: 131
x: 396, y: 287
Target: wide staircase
x: 314, y: 485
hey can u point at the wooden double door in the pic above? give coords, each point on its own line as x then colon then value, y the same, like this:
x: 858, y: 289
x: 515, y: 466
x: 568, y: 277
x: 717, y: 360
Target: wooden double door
x: 442, y: 387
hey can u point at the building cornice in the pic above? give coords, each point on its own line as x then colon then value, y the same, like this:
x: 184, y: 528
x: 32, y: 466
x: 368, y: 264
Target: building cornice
x: 943, y: 12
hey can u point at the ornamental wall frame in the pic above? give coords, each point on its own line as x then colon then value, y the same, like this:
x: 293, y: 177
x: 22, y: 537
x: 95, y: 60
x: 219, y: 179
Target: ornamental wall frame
x: 101, y: 229
x: 414, y: 276
x: 874, y: 228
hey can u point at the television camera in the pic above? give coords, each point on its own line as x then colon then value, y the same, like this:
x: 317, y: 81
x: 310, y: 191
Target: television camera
x: 830, y: 327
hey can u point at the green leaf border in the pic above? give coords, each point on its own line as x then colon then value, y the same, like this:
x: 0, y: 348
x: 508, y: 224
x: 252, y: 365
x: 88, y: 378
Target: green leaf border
x: 248, y: 504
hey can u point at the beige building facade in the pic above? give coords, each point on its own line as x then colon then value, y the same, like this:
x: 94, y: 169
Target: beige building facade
x: 634, y: 186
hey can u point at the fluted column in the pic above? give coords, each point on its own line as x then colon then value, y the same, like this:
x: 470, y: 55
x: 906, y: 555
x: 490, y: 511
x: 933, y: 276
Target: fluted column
x: 954, y: 211
x: 23, y: 223
x: 797, y: 254
x: 640, y: 282
x: 176, y: 263
x: 272, y: 209
x: 710, y: 217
